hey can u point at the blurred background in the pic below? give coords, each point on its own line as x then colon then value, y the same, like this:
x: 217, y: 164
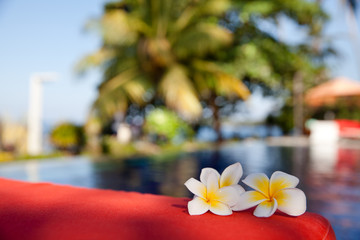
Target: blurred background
x: 140, y: 95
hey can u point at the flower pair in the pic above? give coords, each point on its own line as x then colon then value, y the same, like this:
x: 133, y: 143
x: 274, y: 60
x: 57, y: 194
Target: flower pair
x: 221, y: 194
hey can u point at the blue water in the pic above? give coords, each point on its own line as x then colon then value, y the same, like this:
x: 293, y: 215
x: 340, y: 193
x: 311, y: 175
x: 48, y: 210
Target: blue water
x: 329, y: 175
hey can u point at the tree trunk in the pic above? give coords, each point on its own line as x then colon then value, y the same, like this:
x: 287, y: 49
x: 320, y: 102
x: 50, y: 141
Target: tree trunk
x: 298, y: 88
x: 217, y: 123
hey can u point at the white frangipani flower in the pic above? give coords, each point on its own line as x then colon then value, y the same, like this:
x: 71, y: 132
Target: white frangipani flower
x: 229, y: 177
x: 215, y: 193
x: 277, y: 193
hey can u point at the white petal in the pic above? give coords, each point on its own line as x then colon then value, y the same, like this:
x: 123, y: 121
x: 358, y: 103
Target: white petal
x: 220, y: 208
x: 280, y: 180
x: 291, y: 201
x: 212, y: 185
x: 239, y: 189
x: 196, y: 187
x: 205, y: 172
x: 248, y: 200
x: 266, y: 208
x: 227, y: 195
x: 231, y: 175
x: 198, y: 206
x: 259, y: 182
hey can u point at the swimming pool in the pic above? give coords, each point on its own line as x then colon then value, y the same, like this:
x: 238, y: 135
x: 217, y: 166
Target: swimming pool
x: 329, y: 175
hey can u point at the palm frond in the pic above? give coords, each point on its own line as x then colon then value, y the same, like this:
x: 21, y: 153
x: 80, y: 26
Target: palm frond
x: 118, y: 81
x: 117, y: 29
x: 203, y: 39
x: 96, y: 59
x: 179, y: 93
x: 136, y: 89
x: 214, y: 78
x: 214, y: 7
x: 107, y: 105
x: 130, y: 83
x: 193, y: 12
x: 228, y: 85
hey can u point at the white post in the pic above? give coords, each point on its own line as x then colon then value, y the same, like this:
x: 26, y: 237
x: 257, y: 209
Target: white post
x: 34, y: 140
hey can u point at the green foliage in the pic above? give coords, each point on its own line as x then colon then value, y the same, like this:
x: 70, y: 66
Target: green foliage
x: 167, y: 125
x: 284, y: 120
x: 268, y: 61
x: 186, y: 51
x: 344, y: 108
x: 166, y: 50
x: 110, y: 145
x: 67, y: 137
x: 261, y: 54
x: 348, y: 113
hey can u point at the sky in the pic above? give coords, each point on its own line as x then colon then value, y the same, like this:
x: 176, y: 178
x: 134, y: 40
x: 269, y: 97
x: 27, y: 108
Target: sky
x: 49, y: 36
x: 344, y: 40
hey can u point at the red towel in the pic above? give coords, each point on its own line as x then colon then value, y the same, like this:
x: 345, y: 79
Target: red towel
x: 47, y: 211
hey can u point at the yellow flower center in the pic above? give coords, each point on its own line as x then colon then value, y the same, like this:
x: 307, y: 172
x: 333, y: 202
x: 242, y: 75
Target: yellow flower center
x: 210, y: 197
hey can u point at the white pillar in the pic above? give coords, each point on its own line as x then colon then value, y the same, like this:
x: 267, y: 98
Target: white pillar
x: 34, y: 140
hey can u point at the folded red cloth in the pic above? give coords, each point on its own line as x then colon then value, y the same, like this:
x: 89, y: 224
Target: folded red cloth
x: 47, y: 211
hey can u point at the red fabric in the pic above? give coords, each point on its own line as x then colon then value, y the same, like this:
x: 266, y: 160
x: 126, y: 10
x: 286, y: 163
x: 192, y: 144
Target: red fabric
x: 348, y: 128
x: 46, y: 211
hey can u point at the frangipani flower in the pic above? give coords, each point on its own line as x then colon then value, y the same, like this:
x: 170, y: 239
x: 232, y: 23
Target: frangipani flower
x: 215, y: 193
x: 229, y: 177
x: 277, y: 193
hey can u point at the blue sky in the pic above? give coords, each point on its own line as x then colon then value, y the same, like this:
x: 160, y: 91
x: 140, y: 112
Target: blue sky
x: 40, y: 35
x: 348, y: 62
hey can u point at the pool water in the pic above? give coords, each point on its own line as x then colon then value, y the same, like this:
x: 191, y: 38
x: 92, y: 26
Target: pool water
x: 329, y: 175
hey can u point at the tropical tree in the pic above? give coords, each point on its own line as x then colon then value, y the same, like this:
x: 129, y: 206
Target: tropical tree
x: 166, y: 126
x: 167, y: 50
x: 185, y: 53
x: 286, y: 68
x: 67, y: 137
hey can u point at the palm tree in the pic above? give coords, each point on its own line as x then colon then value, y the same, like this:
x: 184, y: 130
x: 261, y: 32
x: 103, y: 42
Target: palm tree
x: 187, y: 52
x: 290, y: 68
x: 168, y: 50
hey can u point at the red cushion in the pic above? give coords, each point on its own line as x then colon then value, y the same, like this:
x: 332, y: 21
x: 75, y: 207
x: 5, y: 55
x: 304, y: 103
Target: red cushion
x: 348, y: 128
x: 46, y: 211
